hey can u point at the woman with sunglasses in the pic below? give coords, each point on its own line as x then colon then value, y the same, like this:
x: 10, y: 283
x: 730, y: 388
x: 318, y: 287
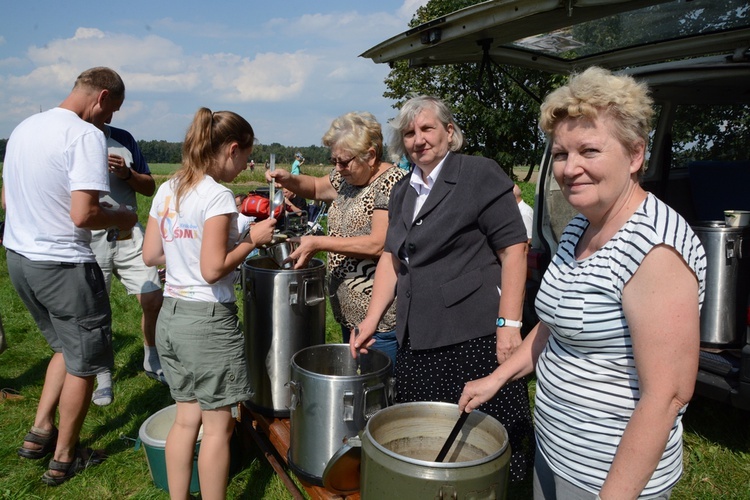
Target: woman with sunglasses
x: 357, y: 191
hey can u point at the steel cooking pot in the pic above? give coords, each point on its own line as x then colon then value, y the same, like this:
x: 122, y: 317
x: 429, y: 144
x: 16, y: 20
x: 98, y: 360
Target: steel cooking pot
x: 284, y: 311
x: 394, y: 456
x: 333, y: 395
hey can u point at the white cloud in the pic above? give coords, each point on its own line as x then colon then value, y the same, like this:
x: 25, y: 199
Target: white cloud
x: 171, y: 67
x: 409, y: 7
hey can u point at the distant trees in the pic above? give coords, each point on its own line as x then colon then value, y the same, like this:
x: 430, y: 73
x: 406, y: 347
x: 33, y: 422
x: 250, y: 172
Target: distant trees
x: 171, y: 152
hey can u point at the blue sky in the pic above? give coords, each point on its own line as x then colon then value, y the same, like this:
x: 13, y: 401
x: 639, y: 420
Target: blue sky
x: 288, y: 66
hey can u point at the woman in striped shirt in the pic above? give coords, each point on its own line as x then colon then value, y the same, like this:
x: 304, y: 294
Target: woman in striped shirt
x: 616, y: 350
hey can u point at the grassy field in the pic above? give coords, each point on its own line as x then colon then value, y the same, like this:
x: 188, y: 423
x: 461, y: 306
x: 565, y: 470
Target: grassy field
x: 717, y: 438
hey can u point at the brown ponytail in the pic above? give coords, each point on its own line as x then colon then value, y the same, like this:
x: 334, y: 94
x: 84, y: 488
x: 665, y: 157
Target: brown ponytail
x: 205, y: 138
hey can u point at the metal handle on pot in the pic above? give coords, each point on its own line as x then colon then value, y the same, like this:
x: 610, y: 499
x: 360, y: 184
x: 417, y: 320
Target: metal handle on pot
x: 293, y: 293
x: 296, y: 394
x: 316, y: 298
x: 348, y: 404
x: 447, y: 491
x: 729, y: 250
x: 377, y: 387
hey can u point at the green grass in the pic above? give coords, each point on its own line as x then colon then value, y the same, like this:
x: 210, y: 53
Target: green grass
x: 717, y: 437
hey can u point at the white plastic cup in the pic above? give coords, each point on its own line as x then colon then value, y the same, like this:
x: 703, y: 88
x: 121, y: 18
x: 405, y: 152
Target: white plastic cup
x: 737, y: 218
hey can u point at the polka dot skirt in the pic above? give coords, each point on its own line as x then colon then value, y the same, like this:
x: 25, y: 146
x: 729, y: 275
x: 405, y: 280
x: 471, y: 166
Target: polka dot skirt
x: 440, y: 374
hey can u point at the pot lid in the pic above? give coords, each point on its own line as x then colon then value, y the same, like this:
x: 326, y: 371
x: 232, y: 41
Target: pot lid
x: 341, y: 475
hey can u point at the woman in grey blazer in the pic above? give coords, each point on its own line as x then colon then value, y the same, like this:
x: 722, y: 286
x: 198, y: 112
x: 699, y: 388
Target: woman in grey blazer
x: 454, y: 235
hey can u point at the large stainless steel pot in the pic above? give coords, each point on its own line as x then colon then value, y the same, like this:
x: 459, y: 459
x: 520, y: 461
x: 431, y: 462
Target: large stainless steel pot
x: 399, y: 446
x: 723, y: 316
x: 284, y: 312
x: 333, y: 395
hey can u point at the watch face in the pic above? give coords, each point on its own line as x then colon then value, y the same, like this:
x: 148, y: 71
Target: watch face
x: 500, y: 322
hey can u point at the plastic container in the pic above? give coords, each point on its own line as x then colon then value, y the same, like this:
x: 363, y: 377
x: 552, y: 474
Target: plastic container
x: 153, y: 436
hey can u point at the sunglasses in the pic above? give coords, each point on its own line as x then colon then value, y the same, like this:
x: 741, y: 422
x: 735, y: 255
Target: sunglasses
x: 344, y: 163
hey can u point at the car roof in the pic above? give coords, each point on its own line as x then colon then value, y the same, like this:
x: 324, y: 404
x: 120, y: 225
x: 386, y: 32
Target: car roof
x: 560, y: 36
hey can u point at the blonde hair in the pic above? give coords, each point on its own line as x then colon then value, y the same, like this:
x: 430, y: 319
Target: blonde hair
x: 356, y: 132
x: 206, y: 137
x: 596, y: 91
x: 409, y: 112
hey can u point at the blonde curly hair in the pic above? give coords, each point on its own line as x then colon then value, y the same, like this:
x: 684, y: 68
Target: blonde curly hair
x: 357, y: 133
x: 597, y: 91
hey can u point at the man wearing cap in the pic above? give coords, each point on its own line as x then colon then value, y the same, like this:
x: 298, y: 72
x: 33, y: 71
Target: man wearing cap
x: 298, y: 160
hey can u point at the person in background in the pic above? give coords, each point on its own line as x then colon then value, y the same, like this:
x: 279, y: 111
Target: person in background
x: 454, y: 234
x: 243, y: 221
x: 404, y: 163
x: 51, y: 192
x: 357, y: 191
x: 120, y: 254
x: 298, y: 161
x: 192, y: 229
x: 293, y: 202
x: 621, y: 296
x: 527, y: 213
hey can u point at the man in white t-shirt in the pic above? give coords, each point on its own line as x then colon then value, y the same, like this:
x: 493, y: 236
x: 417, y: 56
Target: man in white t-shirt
x: 527, y: 213
x: 54, y: 170
x: 120, y: 253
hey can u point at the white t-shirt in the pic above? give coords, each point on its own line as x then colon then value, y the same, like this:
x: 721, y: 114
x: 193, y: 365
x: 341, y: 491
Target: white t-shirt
x: 48, y: 156
x: 527, y: 214
x: 182, y: 235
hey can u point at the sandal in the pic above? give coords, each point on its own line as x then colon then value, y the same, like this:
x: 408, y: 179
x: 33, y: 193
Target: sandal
x: 10, y: 395
x: 46, y: 439
x: 103, y: 396
x: 84, y: 458
x: 158, y: 376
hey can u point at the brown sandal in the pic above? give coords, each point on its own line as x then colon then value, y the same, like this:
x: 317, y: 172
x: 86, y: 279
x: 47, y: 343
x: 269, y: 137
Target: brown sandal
x: 8, y: 394
x: 46, y: 439
x: 84, y: 458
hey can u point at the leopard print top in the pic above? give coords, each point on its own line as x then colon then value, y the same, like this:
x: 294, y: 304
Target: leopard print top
x: 350, y: 279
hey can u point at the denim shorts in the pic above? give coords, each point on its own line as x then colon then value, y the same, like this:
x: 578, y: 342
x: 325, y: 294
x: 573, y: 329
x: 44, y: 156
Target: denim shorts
x: 70, y: 305
x: 202, y: 352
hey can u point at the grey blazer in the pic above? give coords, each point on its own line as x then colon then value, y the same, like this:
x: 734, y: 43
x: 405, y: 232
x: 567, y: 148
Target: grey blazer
x: 448, y: 288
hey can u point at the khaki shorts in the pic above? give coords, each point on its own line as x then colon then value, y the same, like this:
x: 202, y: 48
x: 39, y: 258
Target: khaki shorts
x: 124, y: 260
x: 71, y: 308
x: 202, y: 352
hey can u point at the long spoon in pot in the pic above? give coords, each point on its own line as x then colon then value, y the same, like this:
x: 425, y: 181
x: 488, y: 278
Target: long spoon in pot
x: 452, y: 436
x: 356, y: 332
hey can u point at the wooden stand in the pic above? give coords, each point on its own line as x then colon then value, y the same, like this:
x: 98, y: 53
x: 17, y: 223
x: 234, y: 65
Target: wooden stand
x: 272, y: 437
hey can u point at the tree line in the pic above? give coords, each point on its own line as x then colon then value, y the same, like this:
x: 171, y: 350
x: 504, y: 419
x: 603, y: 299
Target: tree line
x: 171, y: 152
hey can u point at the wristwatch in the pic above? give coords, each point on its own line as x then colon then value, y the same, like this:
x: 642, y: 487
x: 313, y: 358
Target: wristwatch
x: 501, y: 322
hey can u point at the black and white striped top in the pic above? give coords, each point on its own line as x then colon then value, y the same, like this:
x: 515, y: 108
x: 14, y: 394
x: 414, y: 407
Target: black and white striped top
x: 587, y: 383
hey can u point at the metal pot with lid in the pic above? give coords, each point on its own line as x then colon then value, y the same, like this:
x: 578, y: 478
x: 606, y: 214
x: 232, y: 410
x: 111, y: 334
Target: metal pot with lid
x: 723, y: 316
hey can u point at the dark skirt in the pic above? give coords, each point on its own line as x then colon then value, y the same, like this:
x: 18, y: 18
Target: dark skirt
x: 440, y: 374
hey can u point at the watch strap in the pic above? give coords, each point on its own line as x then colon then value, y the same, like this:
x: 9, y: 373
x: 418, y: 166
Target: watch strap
x: 501, y: 322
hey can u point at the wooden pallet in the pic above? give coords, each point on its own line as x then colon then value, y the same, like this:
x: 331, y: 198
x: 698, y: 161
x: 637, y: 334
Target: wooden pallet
x: 272, y: 436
